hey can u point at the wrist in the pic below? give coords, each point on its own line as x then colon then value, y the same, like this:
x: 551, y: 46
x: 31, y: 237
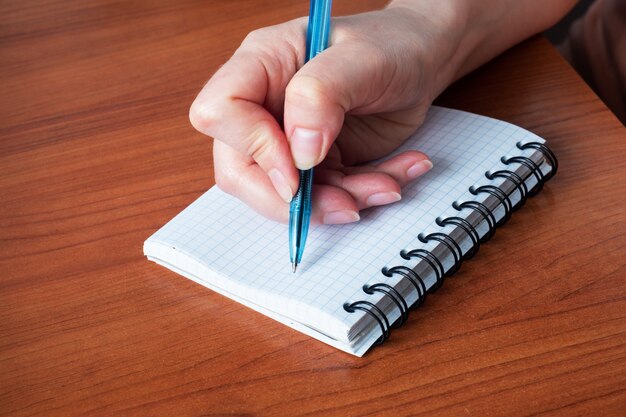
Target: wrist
x: 488, y: 27
x: 454, y: 30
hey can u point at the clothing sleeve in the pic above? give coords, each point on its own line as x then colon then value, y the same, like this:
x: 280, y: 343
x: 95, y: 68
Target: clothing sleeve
x: 596, y: 48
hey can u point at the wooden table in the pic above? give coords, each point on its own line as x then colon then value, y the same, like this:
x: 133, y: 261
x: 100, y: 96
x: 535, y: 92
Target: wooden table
x: 96, y: 153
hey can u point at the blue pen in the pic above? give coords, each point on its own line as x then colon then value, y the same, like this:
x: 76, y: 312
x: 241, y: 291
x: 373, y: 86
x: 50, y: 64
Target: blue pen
x: 300, y: 211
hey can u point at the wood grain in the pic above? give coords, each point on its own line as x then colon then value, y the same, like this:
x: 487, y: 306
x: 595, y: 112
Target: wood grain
x: 96, y: 153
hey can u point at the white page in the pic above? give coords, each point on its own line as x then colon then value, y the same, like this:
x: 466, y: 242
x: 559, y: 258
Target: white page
x: 240, y: 253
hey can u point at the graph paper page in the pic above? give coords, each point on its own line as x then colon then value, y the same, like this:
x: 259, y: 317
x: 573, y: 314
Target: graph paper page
x: 234, y: 249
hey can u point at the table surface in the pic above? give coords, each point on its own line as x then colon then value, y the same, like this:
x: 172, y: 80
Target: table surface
x: 96, y: 153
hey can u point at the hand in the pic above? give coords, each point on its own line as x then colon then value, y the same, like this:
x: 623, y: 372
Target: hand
x: 355, y: 102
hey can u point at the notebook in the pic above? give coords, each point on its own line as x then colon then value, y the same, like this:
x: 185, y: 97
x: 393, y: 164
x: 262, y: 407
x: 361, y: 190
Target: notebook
x: 358, y: 281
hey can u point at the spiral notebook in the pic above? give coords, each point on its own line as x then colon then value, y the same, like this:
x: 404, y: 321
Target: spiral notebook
x: 358, y: 281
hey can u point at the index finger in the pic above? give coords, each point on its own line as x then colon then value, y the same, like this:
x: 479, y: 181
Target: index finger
x: 232, y: 106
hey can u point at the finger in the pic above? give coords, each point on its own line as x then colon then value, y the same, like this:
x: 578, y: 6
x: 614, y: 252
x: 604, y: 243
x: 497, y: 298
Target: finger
x: 403, y: 168
x: 230, y: 108
x: 367, y: 189
x: 333, y: 205
x: 240, y: 176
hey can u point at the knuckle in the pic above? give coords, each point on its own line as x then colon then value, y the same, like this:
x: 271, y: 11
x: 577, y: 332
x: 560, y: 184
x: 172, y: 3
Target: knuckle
x: 259, y: 146
x: 306, y: 88
x: 226, y: 180
x: 203, y: 115
x: 256, y: 35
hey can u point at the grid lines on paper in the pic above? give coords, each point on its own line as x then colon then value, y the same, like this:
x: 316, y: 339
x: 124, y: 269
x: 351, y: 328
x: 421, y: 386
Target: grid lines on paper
x: 249, y: 254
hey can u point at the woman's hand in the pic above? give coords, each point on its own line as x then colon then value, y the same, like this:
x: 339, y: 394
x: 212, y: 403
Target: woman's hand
x: 355, y: 102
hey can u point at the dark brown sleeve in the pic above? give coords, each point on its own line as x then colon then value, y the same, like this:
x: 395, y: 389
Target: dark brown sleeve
x: 596, y: 47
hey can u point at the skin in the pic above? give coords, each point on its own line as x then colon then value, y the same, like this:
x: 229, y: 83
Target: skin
x: 355, y: 102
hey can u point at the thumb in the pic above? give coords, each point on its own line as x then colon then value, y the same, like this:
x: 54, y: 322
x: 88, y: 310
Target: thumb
x: 340, y: 79
x: 314, y: 111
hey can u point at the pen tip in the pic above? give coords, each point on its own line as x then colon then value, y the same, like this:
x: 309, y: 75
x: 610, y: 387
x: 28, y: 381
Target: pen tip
x: 294, y: 265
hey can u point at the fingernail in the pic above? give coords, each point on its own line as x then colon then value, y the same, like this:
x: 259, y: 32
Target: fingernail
x: 280, y: 183
x: 306, y: 147
x: 419, y: 168
x: 341, y: 217
x: 380, y: 199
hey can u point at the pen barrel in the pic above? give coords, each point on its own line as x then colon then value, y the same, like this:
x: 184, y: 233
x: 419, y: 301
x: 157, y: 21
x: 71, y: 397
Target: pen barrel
x: 299, y: 215
x: 318, y: 30
x: 300, y: 210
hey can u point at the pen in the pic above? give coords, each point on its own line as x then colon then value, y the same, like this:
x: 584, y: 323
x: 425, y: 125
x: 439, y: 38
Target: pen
x: 300, y: 210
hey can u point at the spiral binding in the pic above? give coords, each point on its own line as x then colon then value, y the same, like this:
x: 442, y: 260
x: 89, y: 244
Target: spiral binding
x: 450, y: 244
x: 432, y: 260
x: 503, y: 197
